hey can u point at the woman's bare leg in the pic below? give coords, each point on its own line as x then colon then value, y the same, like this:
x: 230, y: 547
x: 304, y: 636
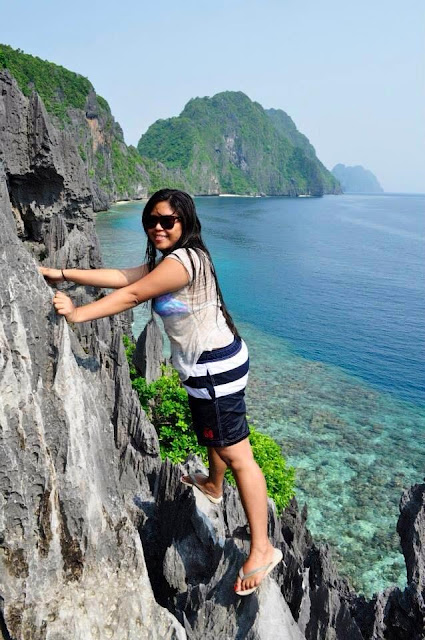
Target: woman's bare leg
x: 217, y: 469
x: 253, y: 493
x: 213, y: 484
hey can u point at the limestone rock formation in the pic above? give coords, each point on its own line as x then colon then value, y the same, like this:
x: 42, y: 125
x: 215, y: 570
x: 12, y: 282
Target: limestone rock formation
x: 396, y: 614
x: 68, y: 535
x: 200, y: 548
x: 75, y: 446
x: 47, y: 184
x: 114, y: 171
x: 148, y: 355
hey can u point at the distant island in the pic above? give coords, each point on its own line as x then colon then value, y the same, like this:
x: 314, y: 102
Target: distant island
x: 356, y: 179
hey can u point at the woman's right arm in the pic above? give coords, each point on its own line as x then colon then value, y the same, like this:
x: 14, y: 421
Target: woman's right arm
x: 104, y: 278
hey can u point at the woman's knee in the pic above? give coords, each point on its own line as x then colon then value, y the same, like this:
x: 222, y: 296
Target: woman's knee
x: 237, y: 456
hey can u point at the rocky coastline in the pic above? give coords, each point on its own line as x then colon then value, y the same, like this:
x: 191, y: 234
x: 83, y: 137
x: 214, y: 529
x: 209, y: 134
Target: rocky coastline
x: 98, y: 538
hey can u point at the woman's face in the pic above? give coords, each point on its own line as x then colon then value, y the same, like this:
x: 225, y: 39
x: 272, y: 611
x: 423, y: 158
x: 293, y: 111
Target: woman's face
x: 164, y: 239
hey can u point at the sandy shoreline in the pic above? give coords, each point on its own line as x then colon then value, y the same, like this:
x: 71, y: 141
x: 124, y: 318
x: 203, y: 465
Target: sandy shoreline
x: 236, y: 195
x: 127, y: 201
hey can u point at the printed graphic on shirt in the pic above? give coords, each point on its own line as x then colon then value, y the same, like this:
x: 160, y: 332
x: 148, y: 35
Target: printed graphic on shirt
x: 167, y: 305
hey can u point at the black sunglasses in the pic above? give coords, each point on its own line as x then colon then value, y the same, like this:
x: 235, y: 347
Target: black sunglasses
x: 166, y: 222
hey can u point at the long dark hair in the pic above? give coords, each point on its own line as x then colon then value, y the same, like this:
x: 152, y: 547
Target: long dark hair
x: 182, y: 204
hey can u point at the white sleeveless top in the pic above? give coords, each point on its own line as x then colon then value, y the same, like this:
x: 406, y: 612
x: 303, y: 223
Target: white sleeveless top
x: 192, y: 316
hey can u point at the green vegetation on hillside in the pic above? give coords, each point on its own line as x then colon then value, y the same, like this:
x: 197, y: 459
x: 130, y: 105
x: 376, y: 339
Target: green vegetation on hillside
x: 58, y: 87
x: 172, y: 141
x: 126, y: 165
x: 286, y: 127
x: 317, y: 171
x: 160, y: 176
x: 165, y: 402
x: 228, y: 143
x: 116, y: 169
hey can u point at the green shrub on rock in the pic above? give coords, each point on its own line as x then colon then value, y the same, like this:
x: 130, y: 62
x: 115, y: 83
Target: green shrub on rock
x: 165, y: 402
x: 280, y: 479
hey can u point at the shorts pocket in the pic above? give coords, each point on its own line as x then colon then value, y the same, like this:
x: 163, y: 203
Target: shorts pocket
x: 204, y: 420
x: 232, y: 416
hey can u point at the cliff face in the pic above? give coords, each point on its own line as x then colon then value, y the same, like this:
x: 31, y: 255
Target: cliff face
x: 46, y: 180
x: 113, y: 170
x: 75, y: 448
x: 98, y: 538
x: 72, y: 563
x: 228, y: 143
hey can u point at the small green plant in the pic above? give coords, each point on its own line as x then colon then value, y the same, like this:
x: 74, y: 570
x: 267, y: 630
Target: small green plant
x: 165, y: 402
x: 82, y: 152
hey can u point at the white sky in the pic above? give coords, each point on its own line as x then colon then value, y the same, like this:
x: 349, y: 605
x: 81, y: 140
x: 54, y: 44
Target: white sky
x: 351, y: 75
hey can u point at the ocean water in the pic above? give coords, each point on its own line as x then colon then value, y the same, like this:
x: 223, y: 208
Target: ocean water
x: 329, y: 295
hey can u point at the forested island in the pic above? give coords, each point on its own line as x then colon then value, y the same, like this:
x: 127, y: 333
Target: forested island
x: 230, y: 144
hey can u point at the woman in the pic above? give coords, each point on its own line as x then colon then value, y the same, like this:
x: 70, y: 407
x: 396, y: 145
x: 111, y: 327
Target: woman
x: 206, y: 350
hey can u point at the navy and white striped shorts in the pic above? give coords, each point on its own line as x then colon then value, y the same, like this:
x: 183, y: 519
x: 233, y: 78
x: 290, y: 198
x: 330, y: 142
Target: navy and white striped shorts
x: 217, y: 395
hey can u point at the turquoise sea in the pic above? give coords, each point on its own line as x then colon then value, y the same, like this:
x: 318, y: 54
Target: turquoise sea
x: 329, y: 295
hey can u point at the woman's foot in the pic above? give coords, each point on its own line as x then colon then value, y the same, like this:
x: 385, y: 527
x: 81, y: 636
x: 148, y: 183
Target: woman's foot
x: 204, y: 484
x: 256, y: 559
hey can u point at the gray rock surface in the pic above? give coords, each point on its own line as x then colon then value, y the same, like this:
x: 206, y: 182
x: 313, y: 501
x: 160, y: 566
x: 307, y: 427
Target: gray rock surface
x: 148, y: 355
x: 193, y: 551
x: 200, y: 548
x: 68, y: 534
x: 75, y: 446
x: 396, y: 614
x: 45, y: 176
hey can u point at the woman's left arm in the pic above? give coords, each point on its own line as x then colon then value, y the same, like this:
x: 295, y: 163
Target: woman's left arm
x: 169, y: 275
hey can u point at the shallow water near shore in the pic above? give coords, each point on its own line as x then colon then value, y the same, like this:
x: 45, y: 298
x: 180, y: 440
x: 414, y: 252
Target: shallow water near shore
x: 327, y: 294
x: 354, y: 448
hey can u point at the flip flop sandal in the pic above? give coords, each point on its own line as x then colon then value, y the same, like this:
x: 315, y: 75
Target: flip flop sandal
x: 193, y: 483
x: 268, y: 568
